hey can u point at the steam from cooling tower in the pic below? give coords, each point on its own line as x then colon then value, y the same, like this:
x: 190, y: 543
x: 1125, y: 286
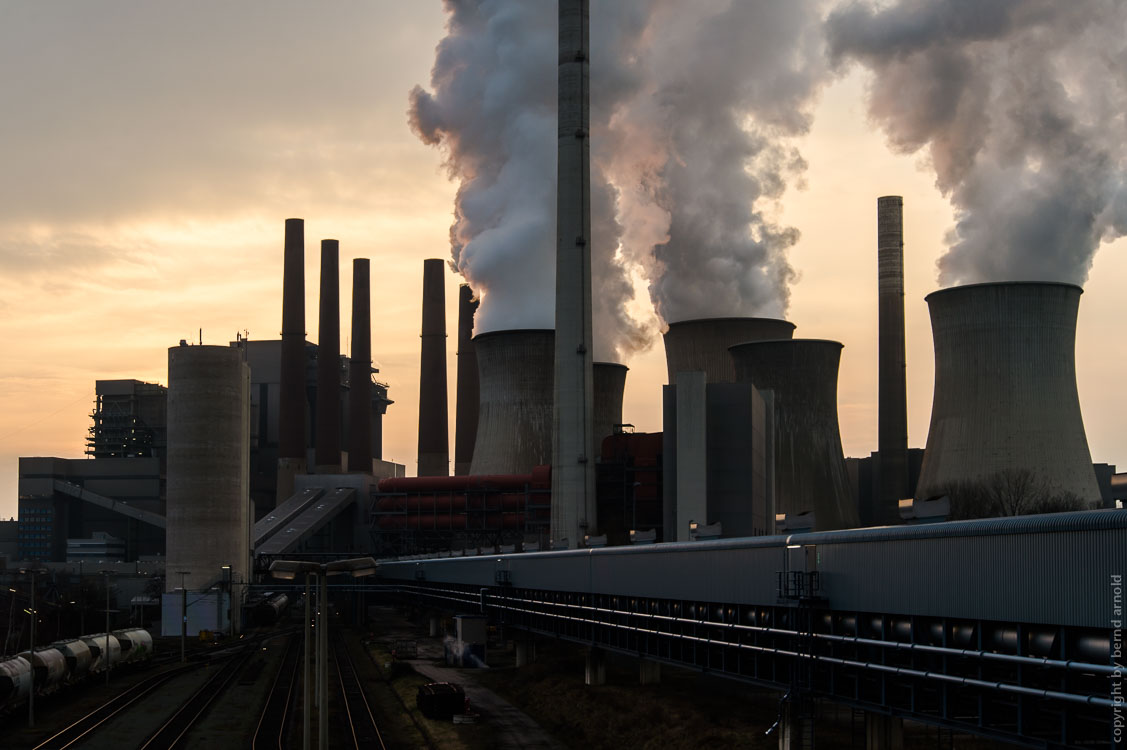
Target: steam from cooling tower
x: 1019, y: 106
x: 692, y: 107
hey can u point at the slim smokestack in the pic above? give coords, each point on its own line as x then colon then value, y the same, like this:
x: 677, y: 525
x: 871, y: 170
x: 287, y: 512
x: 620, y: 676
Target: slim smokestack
x: 291, y: 406
x: 469, y: 390
x: 360, y: 376
x: 328, y: 361
x: 892, y: 420
x: 573, y: 464
x: 434, y: 434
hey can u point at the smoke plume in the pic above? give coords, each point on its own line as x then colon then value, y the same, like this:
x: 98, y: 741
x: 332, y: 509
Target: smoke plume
x: 693, y: 108
x: 1020, y: 105
x: 492, y: 112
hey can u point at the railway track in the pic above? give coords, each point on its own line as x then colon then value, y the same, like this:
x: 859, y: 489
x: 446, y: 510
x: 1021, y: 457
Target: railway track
x: 270, y: 732
x: 363, y: 729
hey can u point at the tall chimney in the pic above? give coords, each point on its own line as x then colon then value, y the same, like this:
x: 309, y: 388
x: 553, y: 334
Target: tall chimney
x: 573, y: 460
x: 360, y: 376
x: 469, y: 390
x: 892, y: 419
x: 328, y: 361
x: 291, y: 402
x: 434, y: 434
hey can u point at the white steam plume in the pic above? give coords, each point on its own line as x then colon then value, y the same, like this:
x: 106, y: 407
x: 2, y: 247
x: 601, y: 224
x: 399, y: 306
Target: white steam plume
x: 1021, y: 106
x: 492, y: 111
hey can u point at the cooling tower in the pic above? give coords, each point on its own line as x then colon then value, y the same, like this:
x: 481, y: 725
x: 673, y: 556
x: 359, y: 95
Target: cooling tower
x: 810, y: 470
x: 892, y: 389
x: 1005, y: 389
x: 208, y: 464
x: 514, y: 428
x: 702, y: 345
x: 360, y: 374
x: 434, y: 435
x: 610, y: 384
x: 291, y: 386
x: 328, y: 361
x: 465, y: 415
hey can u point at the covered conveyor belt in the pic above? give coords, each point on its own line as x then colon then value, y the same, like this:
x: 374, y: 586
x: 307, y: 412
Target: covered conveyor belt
x: 281, y: 516
x: 144, y: 516
x: 308, y: 523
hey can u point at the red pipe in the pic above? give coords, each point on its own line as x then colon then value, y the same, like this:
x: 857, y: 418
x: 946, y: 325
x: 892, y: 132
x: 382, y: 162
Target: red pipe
x: 540, y: 478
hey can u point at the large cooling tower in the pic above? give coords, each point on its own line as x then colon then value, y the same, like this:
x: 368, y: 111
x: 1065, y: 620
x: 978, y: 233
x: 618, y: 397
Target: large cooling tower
x: 892, y: 411
x: 514, y: 428
x: 702, y: 345
x: 208, y: 480
x: 465, y: 412
x: 434, y: 434
x: 1005, y: 389
x: 328, y: 361
x: 810, y: 470
x: 610, y: 384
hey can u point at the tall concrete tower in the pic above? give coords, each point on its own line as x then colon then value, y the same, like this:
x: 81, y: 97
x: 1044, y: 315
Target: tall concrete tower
x: 328, y: 361
x: 434, y: 432
x: 291, y: 388
x: 360, y: 376
x: 468, y: 386
x: 573, y: 460
x: 892, y: 419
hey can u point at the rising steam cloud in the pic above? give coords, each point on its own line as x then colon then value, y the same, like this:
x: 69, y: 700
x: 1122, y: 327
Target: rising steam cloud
x: 693, y: 106
x: 1021, y: 107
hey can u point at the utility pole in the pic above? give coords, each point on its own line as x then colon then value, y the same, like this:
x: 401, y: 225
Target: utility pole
x: 305, y: 730
x: 109, y: 656
x: 183, y: 615
x: 31, y: 647
x: 323, y: 705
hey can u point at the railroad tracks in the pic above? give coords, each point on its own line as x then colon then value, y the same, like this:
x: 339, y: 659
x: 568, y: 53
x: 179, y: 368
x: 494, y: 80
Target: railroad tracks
x: 363, y: 729
x: 270, y: 732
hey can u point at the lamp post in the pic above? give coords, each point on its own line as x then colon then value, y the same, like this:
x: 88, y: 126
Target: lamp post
x: 356, y: 567
x: 31, y: 646
x: 183, y: 614
x: 109, y: 657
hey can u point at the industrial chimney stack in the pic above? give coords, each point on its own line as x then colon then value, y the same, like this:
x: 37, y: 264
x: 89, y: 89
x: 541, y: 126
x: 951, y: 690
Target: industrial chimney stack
x: 892, y: 420
x: 328, y: 361
x: 291, y: 407
x: 469, y: 390
x: 573, y: 462
x: 360, y: 376
x: 434, y: 435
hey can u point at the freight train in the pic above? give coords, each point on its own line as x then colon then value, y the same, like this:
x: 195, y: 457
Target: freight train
x: 50, y: 668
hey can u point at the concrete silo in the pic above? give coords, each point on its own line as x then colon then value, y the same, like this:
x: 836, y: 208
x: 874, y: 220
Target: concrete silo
x: 702, y: 345
x: 514, y: 429
x: 610, y: 384
x: 1005, y: 397
x: 208, y: 466
x: 809, y: 467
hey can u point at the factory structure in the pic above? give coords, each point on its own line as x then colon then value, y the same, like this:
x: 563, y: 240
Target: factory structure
x: 270, y: 448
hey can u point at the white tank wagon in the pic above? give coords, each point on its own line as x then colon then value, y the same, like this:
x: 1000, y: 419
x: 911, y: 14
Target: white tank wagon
x: 78, y: 658
x: 49, y: 667
x: 97, y: 645
x: 136, y: 645
x: 15, y: 682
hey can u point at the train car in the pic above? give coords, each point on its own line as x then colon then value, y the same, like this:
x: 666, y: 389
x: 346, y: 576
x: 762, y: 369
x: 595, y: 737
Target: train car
x: 49, y: 667
x: 97, y: 645
x: 269, y: 610
x: 15, y: 682
x: 136, y: 645
x: 78, y: 658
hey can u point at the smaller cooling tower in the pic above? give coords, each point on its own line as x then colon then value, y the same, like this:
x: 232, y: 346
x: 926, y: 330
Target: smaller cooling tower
x: 810, y: 470
x: 1005, y: 389
x: 702, y: 345
x: 514, y: 428
x: 610, y: 384
x: 465, y: 414
x: 208, y: 477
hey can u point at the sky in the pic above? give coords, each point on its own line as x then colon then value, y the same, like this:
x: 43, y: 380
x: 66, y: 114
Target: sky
x: 150, y: 153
